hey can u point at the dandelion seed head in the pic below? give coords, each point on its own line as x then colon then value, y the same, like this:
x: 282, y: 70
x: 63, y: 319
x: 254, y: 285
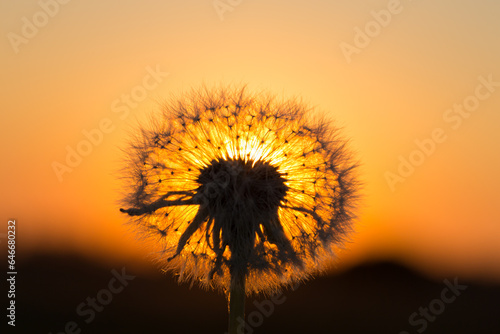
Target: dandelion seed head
x: 227, y: 183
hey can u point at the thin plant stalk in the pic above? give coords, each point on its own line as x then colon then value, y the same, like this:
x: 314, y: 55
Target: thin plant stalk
x: 236, y: 303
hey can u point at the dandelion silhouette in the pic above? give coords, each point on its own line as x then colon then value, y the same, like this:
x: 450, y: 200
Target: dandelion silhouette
x: 243, y: 192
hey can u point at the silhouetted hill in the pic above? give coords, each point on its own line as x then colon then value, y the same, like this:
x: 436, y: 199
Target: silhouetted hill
x: 51, y: 292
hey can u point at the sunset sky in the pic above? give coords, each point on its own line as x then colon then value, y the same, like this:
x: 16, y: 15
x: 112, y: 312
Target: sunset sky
x: 415, y: 85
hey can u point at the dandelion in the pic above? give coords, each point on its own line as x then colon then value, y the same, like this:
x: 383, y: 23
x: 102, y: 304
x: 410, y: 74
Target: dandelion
x: 242, y: 193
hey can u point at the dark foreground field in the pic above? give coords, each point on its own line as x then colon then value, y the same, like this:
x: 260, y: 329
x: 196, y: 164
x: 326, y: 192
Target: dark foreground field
x: 72, y: 295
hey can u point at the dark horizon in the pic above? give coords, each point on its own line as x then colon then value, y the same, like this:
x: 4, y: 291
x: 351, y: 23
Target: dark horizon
x: 52, y: 293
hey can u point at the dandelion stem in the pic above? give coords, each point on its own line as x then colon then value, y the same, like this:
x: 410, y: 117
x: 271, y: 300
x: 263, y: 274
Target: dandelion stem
x: 237, y: 304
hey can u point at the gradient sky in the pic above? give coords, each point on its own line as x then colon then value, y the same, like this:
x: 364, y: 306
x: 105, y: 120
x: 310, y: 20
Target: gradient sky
x: 73, y: 72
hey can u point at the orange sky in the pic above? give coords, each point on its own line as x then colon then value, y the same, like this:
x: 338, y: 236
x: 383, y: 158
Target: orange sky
x: 75, y: 71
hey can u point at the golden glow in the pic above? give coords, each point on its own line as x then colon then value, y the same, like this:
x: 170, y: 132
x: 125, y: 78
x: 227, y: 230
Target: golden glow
x: 392, y: 93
